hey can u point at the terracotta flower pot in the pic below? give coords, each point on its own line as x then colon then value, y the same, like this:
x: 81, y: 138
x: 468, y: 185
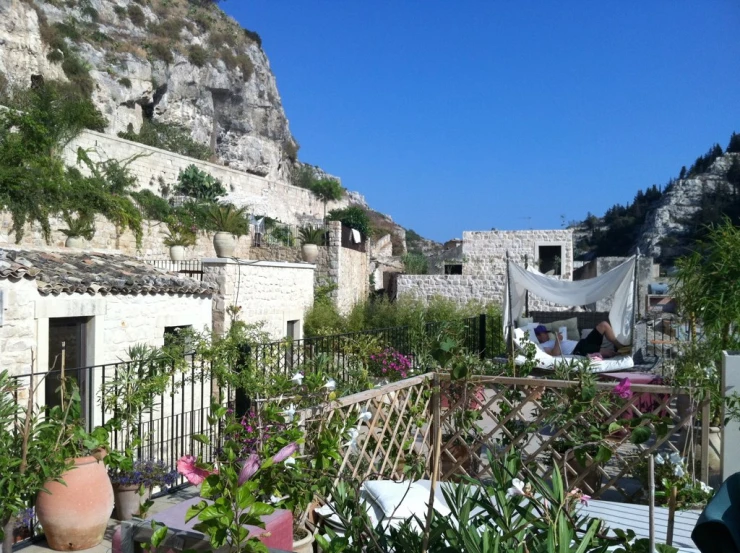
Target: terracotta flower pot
x: 128, y: 500
x: 74, y: 516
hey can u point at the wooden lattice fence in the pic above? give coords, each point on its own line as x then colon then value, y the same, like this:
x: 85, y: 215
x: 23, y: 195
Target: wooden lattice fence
x: 514, y: 415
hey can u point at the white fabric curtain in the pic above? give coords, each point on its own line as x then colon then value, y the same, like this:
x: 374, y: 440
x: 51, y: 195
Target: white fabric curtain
x: 618, y: 282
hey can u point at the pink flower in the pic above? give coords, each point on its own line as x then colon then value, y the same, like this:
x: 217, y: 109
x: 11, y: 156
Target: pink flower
x: 251, y: 465
x: 623, y: 389
x: 194, y: 474
x: 286, y: 452
x: 584, y: 499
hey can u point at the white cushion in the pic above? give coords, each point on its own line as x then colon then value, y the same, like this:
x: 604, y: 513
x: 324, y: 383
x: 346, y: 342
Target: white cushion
x: 401, y: 499
x: 530, y: 329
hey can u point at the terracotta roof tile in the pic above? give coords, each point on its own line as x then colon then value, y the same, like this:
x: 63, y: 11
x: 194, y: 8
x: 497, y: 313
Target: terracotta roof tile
x: 94, y: 273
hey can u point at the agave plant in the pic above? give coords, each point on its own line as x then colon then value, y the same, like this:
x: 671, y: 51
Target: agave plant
x: 229, y: 218
x: 312, y: 235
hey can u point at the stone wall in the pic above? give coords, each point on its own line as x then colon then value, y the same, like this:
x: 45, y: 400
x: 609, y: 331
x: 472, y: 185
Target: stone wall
x: 107, y: 238
x: 266, y: 292
x: 354, y: 279
x: 484, y: 267
x: 276, y: 253
x: 644, y: 277
x: 484, y: 252
x: 115, y: 322
x: 284, y: 202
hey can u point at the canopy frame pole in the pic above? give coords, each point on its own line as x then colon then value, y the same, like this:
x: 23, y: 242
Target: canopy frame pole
x: 511, y: 318
x: 526, y: 294
x: 635, y: 300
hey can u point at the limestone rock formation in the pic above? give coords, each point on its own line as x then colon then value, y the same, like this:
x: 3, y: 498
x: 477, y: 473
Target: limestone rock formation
x: 173, y: 61
x: 668, y: 221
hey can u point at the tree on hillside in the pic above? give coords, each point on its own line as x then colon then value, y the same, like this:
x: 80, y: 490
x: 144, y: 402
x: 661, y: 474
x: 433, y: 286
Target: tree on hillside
x: 327, y: 190
x: 734, y: 146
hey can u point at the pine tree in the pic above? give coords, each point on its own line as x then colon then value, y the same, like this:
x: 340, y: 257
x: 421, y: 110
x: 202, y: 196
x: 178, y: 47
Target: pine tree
x: 734, y: 146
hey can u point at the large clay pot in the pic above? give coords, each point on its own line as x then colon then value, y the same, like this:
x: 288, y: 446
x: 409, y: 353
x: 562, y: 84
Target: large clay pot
x: 224, y: 243
x: 305, y: 544
x: 177, y: 253
x: 74, y: 242
x: 310, y: 253
x: 128, y: 500
x: 74, y: 516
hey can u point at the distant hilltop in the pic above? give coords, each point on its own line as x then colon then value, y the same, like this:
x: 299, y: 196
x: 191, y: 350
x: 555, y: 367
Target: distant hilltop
x: 665, y: 222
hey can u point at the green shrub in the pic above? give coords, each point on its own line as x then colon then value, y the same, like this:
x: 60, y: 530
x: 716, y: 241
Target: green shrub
x: 302, y: 176
x: 217, y: 39
x: 415, y: 264
x: 254, y: 37
x: 120, y: 11
x: 170, y: 137
x: 136, y: 15
x: 77, y: 71
x: 354, y: 217
x: 169, y: 28
x: 203, y: 19
x: 291, y: 147
x: 162, y: 51
x: 244, y: 62
x: 197, y: 56
x: 91, y: 13
x: 152, y: 206
x: 55, y: 56
x: 199, y: 185
x: 323, y: 319
x: 125, y: 82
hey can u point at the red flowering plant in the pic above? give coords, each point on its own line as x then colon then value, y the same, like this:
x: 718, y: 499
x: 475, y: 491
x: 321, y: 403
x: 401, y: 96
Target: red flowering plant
x: 231, y: 486
x: 390, y: 364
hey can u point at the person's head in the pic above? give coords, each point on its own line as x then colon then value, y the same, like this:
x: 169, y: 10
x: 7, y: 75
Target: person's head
x: 541, y: 332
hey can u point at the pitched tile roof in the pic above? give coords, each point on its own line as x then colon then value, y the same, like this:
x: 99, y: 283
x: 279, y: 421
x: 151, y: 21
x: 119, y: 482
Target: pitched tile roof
x: 74, y: 271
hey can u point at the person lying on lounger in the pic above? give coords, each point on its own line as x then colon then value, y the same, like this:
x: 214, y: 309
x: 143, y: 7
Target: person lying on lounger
x: 588, y: 345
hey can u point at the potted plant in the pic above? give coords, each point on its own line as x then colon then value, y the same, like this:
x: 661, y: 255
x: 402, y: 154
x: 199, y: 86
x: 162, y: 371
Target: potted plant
x: 74, y: 507
x: 27, y: 458
x: 78, y: 229
x: 131, y: 393
x: 179, y: 236
x: 232, y: 487
x: 230, y: 223
x: 133, y: 484
x: 311, y: 239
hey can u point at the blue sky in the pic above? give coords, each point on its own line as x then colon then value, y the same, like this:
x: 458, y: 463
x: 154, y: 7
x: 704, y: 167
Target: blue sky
x: 472, y: 115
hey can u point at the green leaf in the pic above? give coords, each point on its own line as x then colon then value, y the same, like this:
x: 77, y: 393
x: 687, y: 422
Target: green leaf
x: 640, y: 435
x: 603, y: 455
x: 202, y: 438
x: 159, y: 534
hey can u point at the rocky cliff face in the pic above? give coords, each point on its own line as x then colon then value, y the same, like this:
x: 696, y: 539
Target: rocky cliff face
x: 173, y: 61
x: 661, y: 235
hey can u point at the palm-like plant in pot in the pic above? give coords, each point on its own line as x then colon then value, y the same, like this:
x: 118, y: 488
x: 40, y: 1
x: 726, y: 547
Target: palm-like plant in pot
x: 229, y: 222
x: 78, y: 228
x: 311, y: 238
x: 179, y: 236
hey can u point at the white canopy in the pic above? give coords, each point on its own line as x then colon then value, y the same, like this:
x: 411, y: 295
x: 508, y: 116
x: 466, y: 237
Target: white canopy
x: 619, y: 282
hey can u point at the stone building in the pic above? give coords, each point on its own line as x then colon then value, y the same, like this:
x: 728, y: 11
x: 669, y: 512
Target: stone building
x: 97, y: 304
x: 483, y: 270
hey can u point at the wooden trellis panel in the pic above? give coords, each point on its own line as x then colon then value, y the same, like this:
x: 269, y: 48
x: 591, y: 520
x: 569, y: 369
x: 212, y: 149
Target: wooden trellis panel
x: 519, y: 425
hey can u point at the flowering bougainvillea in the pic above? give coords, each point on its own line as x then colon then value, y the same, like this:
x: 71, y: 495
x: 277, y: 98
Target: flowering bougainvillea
x: 390, y: 364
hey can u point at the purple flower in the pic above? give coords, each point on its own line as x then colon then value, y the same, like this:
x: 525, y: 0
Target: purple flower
x: 623, y: 389
x: 286, y: 452
x: 251, y: 466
